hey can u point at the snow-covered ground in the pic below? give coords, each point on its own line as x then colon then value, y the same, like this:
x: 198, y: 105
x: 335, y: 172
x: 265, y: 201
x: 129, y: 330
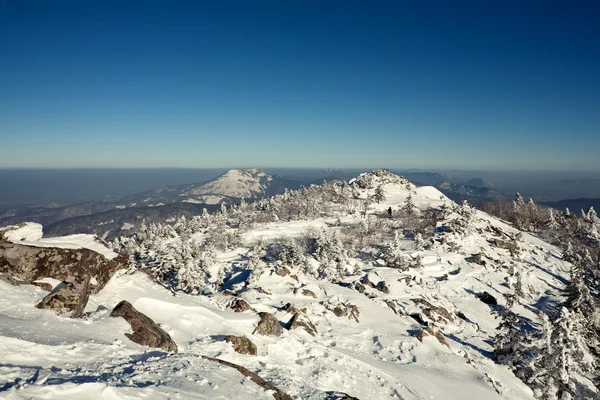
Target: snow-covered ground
x: 378, y: 357
x: 31, y: 234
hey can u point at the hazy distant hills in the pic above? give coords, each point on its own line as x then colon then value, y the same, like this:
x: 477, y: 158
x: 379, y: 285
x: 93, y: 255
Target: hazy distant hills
x: 575, y: 205
x: 110, y: 219
x: 121, y: 216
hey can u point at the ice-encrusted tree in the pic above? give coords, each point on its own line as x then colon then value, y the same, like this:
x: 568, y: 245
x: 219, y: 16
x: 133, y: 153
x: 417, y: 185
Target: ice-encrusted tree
x: 409, y: 207
x: 379, y: 194
x: 566, y: 358
x: 393, y: 255
x: 419, y: 242
x: 329, y: 251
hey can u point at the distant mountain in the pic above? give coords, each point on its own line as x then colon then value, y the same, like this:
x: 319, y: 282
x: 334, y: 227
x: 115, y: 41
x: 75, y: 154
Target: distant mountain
x: 575, y: 205
x: 229, y: 187
x: 473, y: 194
x: 110, y: 219
x: 479, y: 183
x: 426, y: 178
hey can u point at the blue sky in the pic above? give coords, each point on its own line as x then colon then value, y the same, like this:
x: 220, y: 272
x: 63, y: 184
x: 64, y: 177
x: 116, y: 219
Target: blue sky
x: 481, y: 84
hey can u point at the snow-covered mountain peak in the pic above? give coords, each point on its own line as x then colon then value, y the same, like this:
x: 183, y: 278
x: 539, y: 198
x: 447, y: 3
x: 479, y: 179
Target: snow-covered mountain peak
x: 235, y: 183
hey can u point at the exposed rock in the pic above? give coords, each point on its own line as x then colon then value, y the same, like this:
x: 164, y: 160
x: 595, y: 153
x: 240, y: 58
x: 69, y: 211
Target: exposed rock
x: 421, y: 334
x: 419, y: 318
x: 241, y: 344
x: 365, y: 281
x: 29, y: 264
x: 382, y: 287
x: 10, y: 280
x: 239, y: 305
x: 306, y: 292
x: 392, y: 305
x: 15, y: 282
x: 502, y: 244
x: 339, y: 396
x: 439, y: 336
x: 488, y: 299
x: 291, y: 309
x: 435, y: 313
x: 229, y: 293
x: 263, y: 291
x: 359, y: 287
x: 43, y: 285
x: 277, y: 395
x: 268, y: 325
x: 145, y: 331
x: 68, y: 300
x: 476, y: 259
x: 405, y: 279
x: 343, y: 310
x: 283, y: 271
x: 300, y: 320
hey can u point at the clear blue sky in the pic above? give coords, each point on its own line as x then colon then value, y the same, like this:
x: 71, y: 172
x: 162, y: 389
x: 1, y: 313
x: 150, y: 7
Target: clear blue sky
x: 300, y: 83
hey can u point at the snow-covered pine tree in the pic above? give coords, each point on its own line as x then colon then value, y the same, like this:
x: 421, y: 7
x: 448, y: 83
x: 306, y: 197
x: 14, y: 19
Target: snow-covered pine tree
x: 379, y: 194
x: 419, y: 242
x: 565, y: 360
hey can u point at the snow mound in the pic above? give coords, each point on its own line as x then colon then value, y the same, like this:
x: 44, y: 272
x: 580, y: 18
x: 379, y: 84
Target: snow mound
x: 31, y: 234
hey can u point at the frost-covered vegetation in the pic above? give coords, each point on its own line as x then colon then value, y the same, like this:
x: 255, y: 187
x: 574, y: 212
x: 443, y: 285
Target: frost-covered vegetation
x: 554, y: 353
x: 374, y: 288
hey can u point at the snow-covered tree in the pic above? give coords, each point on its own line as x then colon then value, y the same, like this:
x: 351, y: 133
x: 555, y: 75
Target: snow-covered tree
x: 419, y: 242
x: 379, y: 194
x: 393, y: 255
x: 566, y: 358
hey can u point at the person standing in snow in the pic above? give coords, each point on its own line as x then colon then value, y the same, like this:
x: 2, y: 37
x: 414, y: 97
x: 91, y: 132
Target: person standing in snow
x: 390, y: 212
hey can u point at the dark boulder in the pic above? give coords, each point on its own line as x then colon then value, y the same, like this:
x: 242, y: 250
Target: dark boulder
x: 145, y: 331
x: 68, y: 300
x: 239, y: 305
x: 487, y: 299
x: 241, y: 344
x: 29, y: 263
x: 268, y: 325
x: 382, y: 287
x: 300, y: 320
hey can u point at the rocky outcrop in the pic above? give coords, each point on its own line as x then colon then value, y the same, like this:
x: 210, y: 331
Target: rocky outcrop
x: 239, y: 305
x: 382, y: 287
x: 437, y: 334
x: 306, y: 292
x: 343, y: 310
x: 282, y: 271
x: 487, y: 299
x: 68, y: 300
x: 268, y: 325
x: 476, y: 259
x: 241, y: 344
x: 278, y: 394
x: 339, y: 396
x: 145, y: 331
x: 82, y: 271
x: 28, y: 263
x: 16, y: 282
x: 291, y: 309
x: 300, y: 320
